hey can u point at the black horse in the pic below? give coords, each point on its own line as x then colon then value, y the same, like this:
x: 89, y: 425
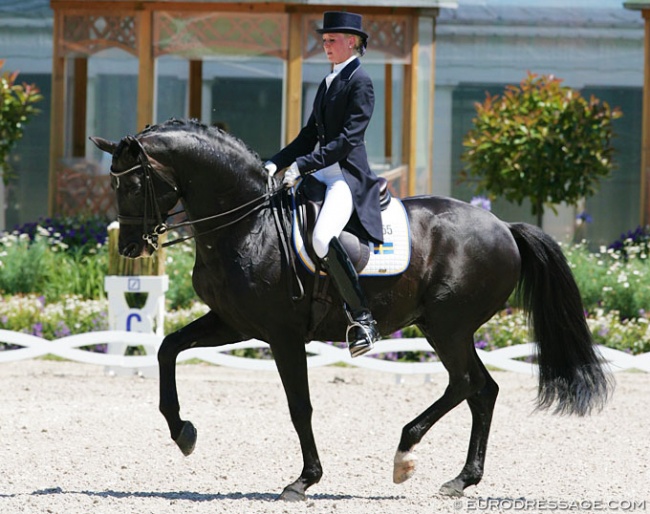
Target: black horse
x: 465, y: 263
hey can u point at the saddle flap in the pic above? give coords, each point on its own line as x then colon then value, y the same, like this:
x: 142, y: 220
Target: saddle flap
x: 390, y: 258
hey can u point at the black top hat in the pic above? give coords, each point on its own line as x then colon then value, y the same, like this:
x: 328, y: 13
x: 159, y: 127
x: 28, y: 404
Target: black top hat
x: 342, y: 22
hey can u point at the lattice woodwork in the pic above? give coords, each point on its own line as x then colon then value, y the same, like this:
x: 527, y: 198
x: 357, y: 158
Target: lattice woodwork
x: 87, y: 33
x: 389, y: 35
x: 196, y: 35
x: 80, y: 192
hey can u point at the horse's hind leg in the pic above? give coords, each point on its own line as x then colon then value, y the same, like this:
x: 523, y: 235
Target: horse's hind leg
x: 205, y: 331
x: 468, y: 380
x: 481, y: 405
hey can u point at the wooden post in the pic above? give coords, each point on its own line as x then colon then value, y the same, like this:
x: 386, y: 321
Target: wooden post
x: 388, y: 113
x: 79, y: 107
x: 409, y: 144
x: 145, y: 115
x: 432, y: 108
x: 294, y: 79
x: 57, y: 119
x: 645, y: 130
x: 195, y: 88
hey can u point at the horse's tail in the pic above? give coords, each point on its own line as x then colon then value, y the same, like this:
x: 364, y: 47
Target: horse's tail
x: 571, y: 370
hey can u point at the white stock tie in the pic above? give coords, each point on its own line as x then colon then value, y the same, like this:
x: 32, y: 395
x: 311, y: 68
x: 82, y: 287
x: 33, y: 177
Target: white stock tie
x: 329, y: 78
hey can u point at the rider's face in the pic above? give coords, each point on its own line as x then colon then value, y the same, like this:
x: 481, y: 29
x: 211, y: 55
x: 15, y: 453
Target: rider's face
x: 338, y: 47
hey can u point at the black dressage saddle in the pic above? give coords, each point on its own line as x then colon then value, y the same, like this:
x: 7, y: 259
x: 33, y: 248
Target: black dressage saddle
x: 309, y: 199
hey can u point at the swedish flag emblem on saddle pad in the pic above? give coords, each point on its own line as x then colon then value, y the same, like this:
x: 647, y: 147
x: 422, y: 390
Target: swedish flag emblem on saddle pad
x: 390, y: 258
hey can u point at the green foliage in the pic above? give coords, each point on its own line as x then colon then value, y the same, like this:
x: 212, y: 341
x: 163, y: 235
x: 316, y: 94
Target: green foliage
x: 179, y: 264
x: 16, y: 108
x: 540, y: 141
x: 630, y: 335
x: 47, y: 266
x: 615, y: 279
x: 66, y: 256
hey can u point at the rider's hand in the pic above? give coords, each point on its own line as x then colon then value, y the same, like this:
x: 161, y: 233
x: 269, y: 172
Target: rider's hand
x: 270, y: 167
x: 291, y: 176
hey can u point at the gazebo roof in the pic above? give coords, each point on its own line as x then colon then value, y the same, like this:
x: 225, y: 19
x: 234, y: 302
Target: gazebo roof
x: 41, y: 8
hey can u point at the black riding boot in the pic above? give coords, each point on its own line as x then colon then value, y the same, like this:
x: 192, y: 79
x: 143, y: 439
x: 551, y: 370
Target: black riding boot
x: 362, y: 330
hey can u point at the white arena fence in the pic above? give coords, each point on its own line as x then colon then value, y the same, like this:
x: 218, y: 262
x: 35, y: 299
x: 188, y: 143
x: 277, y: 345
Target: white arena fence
x: 319, y: 354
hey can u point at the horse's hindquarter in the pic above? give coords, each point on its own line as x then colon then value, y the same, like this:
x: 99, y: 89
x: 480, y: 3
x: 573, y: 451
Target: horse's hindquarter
x: 461, y: 255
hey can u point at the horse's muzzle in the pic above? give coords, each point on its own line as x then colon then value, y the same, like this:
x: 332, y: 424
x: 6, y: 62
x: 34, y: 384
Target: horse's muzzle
x: 136, y: 250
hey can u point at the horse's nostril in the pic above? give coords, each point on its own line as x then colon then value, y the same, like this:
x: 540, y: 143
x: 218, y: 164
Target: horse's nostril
x: 131, y: 250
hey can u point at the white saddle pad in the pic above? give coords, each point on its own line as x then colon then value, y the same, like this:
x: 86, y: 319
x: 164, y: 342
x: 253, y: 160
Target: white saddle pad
x: 390, y: 258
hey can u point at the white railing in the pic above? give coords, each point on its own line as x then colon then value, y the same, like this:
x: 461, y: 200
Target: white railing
x: 320, y: 354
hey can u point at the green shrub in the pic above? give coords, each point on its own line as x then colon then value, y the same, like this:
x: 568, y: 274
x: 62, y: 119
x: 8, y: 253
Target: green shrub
x: 540, y: 141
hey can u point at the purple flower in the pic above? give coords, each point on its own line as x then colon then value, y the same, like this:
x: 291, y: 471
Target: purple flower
x: 62, y: 330
x: 480, y: 344
x: 584, y: 217
x: 481, y: 201
x: 37, y: 329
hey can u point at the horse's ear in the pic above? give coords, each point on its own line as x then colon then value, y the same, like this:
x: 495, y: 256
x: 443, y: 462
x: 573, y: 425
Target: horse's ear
x: 104, y: 144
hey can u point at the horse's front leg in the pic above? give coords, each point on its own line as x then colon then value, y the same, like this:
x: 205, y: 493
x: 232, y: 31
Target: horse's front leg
x: 291, y: 360
x: 206, y: 331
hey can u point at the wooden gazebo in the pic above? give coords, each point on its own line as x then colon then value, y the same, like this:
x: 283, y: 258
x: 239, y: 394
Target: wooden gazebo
x: 194, y: 29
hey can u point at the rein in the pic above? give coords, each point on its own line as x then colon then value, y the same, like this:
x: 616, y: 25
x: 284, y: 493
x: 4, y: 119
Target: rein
x: 260, y: 201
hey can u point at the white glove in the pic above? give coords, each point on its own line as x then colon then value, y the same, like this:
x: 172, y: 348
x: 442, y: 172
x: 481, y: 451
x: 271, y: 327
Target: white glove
x: 270, y: 167
x: 291, y: 176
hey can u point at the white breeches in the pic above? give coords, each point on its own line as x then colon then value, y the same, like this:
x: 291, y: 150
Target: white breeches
x: 336, y: 210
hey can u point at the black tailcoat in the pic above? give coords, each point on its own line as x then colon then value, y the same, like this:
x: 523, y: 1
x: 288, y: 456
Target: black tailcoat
x: 335, y: 132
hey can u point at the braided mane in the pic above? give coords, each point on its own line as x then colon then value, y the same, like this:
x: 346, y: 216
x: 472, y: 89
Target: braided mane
x: 228, y: 144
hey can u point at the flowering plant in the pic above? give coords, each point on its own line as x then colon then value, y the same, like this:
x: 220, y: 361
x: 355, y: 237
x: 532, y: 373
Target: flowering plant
x: 50, y: 288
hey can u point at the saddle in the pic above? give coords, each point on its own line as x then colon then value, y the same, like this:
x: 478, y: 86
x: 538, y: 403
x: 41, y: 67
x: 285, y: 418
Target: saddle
x: 309, y: 200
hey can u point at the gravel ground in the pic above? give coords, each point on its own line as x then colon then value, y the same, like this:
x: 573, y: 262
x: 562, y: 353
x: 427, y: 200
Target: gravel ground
x: 76, y: 441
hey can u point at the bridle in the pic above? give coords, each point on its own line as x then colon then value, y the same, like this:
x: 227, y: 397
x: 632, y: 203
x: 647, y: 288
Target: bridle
x: 156, y: 218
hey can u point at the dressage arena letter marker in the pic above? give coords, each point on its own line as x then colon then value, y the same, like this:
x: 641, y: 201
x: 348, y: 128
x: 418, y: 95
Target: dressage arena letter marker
x: 150, y: 318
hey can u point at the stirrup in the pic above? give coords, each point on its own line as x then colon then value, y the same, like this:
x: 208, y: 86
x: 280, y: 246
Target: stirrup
x: 361, y: 345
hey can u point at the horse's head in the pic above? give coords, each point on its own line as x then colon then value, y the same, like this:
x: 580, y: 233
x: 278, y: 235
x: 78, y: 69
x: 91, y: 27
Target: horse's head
x: 146, y: 193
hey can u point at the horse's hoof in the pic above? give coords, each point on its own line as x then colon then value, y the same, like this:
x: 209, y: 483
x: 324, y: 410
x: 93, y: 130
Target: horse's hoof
x: 403, y: 466
x: 293, y: 493
x: 186, y: 440
x: 452, y: 489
